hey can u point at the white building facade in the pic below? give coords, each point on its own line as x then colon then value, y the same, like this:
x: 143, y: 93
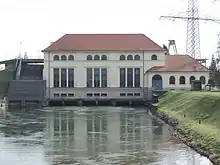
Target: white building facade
x: 76, y: 68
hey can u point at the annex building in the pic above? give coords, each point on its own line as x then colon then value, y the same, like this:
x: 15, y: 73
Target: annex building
x: 115, y: 66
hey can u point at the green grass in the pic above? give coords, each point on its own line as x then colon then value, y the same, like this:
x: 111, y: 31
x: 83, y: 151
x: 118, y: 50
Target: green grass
x: 196, y: 106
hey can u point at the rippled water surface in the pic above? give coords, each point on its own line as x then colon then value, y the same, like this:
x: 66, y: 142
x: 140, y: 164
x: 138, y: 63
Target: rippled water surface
x: 90, y: 136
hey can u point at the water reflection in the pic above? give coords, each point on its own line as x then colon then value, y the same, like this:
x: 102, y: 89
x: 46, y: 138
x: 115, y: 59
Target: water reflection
x: 98, y: 135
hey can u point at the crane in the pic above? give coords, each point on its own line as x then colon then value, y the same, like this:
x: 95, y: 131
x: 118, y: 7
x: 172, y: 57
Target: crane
x: 193, y: 35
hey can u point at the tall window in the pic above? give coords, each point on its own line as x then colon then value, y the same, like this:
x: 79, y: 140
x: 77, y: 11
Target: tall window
x: 63, y: 77
x: 70, y: 77
x: 122, y: 77
x: 97, y: 77
x: 89, y: 77
x: 56, y: 80
x: 137, y: 77
x: 129, y: 77
x: 182, y: 80
x: 104, y: 77
x: 122, y: 57
x: 172, y: 80
x: 191, y: 79
x: 202, y: 79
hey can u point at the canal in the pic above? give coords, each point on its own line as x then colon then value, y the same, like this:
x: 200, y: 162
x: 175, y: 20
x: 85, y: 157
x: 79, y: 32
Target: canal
x: 90, y: 136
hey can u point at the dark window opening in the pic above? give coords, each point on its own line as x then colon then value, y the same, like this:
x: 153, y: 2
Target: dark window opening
x: 63, y: 77
x: 70, y: 77
x: 89, y: 77
x: 56, y: 80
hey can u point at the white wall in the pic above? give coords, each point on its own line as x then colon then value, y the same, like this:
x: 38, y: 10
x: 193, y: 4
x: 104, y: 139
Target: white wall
x: 113, y: 64
x: 165, y: 77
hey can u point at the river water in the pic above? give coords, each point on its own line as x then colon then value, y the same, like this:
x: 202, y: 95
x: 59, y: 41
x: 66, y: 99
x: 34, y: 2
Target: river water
x: 90, y: 136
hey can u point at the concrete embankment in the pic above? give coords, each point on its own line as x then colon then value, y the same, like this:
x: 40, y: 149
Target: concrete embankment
x: 195, y: 117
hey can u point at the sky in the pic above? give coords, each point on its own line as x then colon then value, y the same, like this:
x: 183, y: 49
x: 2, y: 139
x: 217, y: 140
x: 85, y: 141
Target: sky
x: 36, y: 23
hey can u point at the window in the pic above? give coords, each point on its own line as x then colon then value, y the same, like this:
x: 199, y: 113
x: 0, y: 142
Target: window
x: 96, y: 57
x: 172, y: 80
x: 96, y: 77
x: 56, y: 58
x: 122, y: 94
x: 136, y: 57
x: 104, y: 77
x: 137, y: 94
x: 182, y: 80
x: 56, y: 95
x: 89, y: 94
x: 70, y: 94
x: 70, y: 57
x: 130, y: 94
x: 129, y: 57
x: 89, y: 57
x: 89, y: 77
x: 122, y: 57
x: 154, y: 57
x: 56, y: 80
x: 191, y: 79
x: 202, y: 79
x: 137, y: 77
x: 96, y: 94
x: 104, y: 57
x: 63, y: 94
x: 70, y: 77
x: 129, y: 77
x: 104, y: 94
x: 122, y: 77
x: 63, y: 77
x: 63, y: 57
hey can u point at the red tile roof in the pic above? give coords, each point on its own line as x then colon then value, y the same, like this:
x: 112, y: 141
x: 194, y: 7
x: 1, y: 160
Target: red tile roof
x: 180, y: 63
x: 103, y: 42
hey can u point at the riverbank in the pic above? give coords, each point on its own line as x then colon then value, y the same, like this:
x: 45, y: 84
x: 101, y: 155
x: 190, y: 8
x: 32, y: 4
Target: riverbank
x: 195, y: 119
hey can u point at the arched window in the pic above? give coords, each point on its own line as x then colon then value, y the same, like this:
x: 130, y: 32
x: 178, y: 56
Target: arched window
x: 157, y: 82
x: 136, y: 57
x: 202, y: 79
x: 63, y: 57
x: 104, y: 57
x: 89, y: 57
x: 129, y: 57
x: 154, y: 57
x: 122, y: 57
x: 182, y: 80
x: 56, y: 58
x: 172, y: 80
x: 191, y: 79
x: 96, y: 57
x: 70, y: 57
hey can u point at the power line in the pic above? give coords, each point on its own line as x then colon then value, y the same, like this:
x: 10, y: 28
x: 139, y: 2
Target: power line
x: 193, y: 35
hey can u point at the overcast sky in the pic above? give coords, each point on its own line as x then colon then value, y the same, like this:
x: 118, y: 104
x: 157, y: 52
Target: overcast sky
x: 38, y: 22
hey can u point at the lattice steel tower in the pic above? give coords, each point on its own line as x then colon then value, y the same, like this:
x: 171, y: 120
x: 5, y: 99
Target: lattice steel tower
x: 193, y: 36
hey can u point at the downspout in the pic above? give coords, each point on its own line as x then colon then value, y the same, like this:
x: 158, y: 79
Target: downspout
x: 143, y: 75
x: 49, y: 74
